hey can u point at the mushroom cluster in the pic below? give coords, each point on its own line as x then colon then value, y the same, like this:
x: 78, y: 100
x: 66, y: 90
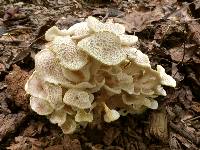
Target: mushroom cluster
x: 92, y: 72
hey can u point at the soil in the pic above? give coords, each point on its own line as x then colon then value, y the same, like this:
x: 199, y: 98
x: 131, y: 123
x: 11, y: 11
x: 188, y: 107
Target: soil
x: 169, y: 33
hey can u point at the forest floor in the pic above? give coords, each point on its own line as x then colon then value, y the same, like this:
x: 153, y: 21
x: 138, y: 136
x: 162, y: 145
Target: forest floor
x: 169, y: 33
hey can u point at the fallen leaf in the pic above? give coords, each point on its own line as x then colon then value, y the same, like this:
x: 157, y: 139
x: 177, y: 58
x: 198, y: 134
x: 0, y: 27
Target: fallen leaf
x: 137, y: 21
x: 183, y: 54
x: 176, y: 74
x: 10, y: 122
x: 195, y: 106
x: 197, y: 4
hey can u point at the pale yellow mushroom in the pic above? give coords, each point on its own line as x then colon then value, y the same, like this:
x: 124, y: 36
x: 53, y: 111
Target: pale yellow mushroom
x: 54, y: 95
x: 54, y: 32
x: 69, y: 126
x: 58, y: 117
x: 90, y: 69
x: 69, y: 55
x: 44, y: 90
x: 35, y: 86
x: 137, y: 56
x: 83, y: 116
x: 79, y: 30
x: 78, y: 98
x: 128, y: 40
x: 165, y: 78
x: 97, y: 26
x: 40, y: 106
x: 110, y: 114
x: 49, y: 68
x: 138, y: 101
x: 103, y: 46
x: 78, y: 76
x: 161, y: 91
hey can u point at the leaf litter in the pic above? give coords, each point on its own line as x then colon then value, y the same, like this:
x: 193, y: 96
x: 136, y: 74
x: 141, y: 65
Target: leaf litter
x: 169, y: 33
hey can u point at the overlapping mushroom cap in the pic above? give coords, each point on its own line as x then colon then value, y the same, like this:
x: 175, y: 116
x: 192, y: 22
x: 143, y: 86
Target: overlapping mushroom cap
x: 93, y: 67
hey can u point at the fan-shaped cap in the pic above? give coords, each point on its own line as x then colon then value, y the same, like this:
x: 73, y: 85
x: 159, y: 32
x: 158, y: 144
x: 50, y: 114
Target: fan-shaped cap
x: 103, y: 46
x: 69, y: 126
x: 54, y: 95
x: 78, y: 76
x: 165, y: 78
x: 44, y: 90
x: 83, y: 116
x: 48, y: 67
x: 78, y: 98
x: 154, y: 104
x: 35, y: 86
x: 112, y: 90
x: 161, y: 91
x: 98, y: 86
x: 138, y: 101
x: 97, y: 26
x: 68, y: 53
x: 128, y: 40
x: 40, y: 106
x: 147, y: 82
x: 54, y: 32
x: 137, y: 56
x: 110, y: 114
x: 79, y: 30
x: 58, y: 117
x: 126, y: 82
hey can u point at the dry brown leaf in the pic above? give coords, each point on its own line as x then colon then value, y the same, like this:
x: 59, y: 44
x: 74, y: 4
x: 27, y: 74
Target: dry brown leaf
x: 10, y: 122
x: 195, y: 106
x: 137, y: 21
x: 176, y: 74
x: 197, y: 4
x: 180, y: 54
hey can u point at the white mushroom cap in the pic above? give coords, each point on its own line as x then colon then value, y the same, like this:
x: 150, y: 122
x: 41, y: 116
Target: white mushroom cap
x: 54, y: 32
x: 110, y: 114
x: 41, y: 106
x: 78, y: 98
x: 112, y: 90
x: 103, y: 46
x: 147, y: 82
x: 44, y: 90
x: 69, y: 126
x: 161, y: 91
x: 79, y: 30
x: 165, y: 78
x: 54, y: 95
x: 138, y: 101
x: 154, y: 104
x: 83, y: 116
x: 82, y: 85
x: 126, y: 82
x: 137, y: 56
x: 48, y: 67
x: 97, y: 26
x: 35, y: 86
x: 68, y: 53
x: 58, y: 117
x: 128, y: 40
